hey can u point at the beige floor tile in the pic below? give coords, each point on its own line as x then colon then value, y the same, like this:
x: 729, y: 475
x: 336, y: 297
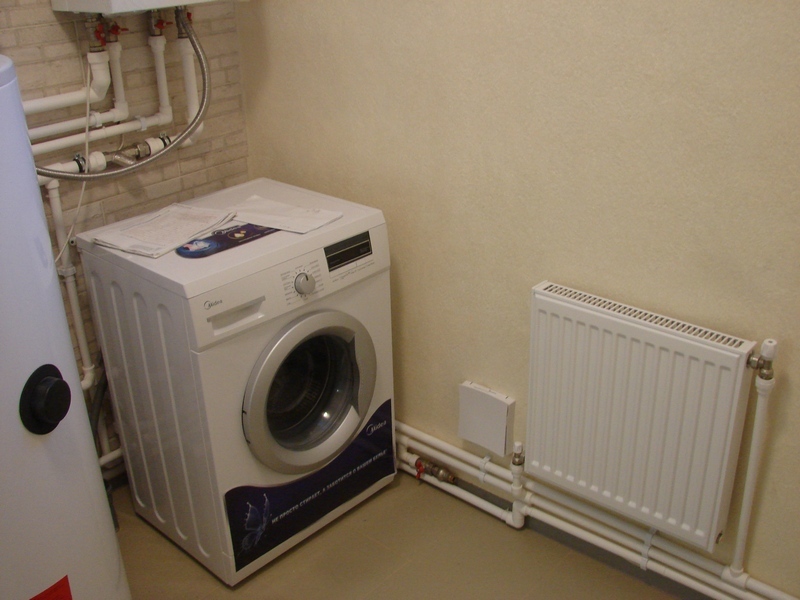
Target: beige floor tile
x: 408, y: 541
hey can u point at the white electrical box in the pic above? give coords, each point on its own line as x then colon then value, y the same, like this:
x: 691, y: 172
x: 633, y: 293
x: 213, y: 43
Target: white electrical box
x: 115, y: 7
x: 486, y: 417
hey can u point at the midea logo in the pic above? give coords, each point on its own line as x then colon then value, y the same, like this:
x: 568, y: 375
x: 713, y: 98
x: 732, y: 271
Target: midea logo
x: 374, y: 427
x: 208, y: 304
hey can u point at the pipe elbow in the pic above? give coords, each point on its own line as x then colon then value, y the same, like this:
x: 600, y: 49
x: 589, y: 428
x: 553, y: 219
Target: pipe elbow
x: 89, y: 376
x: 735, y: 577
x: 165, y: 115
x: 120, y: 112
x: 101, y: 75
x: 194, y: 137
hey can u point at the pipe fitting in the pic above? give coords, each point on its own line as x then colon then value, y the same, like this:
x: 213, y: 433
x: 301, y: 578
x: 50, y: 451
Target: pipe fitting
x: 45, y: 173
x: 735, y: 577
x: 427, y: 467
x: 156, y: 24
x: 179, y: 23
x: 98, y: 88
x: 518, y: 457
x: 96, y: 32
x: 120, y: 158
x: 517, y: 515
x: 763, y: 362
x: 516, y: 468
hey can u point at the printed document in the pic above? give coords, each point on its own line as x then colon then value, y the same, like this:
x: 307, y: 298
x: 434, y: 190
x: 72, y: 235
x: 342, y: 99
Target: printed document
x: 163, y: 231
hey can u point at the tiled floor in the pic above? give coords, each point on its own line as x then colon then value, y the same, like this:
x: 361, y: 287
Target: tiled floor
x: 410, y: 541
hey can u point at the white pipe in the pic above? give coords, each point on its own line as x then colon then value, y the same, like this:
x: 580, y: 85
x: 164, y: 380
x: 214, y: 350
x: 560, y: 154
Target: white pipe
x: 190, y: 86
x: 118, y: 113
x: 117, y: 81
x: 632, y: 556
x: 457, y: 464
x: 487, y: 507
x: 96, y: 91
x: 96, y: 162
x: 140, y: 124
x: 764, y: 389
x: 157, y: 44
x: 541, y: 490
x: 110, y: 457
x: 663, y: 556
x: 544, y: 496
x: 38, y: 133
x: 67, y: 271
x: 596, y: 534
x: 159, y: 119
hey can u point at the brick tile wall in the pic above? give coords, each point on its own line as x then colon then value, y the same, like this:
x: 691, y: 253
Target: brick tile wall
x: 48, y: 49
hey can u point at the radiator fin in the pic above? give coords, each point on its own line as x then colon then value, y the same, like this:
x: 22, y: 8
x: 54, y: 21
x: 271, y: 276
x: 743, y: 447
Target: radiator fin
x: 637, y: 412
x: 646, y: 316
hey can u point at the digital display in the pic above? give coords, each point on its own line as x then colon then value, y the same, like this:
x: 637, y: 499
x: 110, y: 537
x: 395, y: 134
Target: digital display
x: 347, y: 251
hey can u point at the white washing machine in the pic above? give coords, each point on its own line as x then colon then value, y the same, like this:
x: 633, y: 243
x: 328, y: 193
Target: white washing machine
x: 252, y: 382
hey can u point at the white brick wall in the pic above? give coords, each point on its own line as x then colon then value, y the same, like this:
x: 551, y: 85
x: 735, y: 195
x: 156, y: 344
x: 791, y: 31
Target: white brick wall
x: 48, y: 49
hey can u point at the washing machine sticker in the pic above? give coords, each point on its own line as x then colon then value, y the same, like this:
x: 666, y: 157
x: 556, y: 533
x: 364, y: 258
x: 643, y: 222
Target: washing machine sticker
x: 261, y: 518
x: 223, y: 239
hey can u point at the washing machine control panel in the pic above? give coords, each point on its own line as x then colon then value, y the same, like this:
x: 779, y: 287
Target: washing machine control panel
x: 264, y: 295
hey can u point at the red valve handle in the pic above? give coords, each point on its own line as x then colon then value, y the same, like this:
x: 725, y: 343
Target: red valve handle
x: 100, y: 34
x: 116, y: 29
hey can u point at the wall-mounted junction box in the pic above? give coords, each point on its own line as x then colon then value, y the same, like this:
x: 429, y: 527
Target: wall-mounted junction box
x: 114, y: 7
x: 486, y: 417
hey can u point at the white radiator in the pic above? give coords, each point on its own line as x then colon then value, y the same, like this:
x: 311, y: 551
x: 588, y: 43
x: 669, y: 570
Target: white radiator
x: 636, y: 412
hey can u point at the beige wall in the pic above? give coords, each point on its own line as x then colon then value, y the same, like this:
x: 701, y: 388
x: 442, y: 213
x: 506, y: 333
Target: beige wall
x: 646, y: 152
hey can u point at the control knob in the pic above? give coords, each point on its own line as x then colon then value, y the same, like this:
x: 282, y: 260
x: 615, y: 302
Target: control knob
x: 44, y: 401
x: 304, y: 283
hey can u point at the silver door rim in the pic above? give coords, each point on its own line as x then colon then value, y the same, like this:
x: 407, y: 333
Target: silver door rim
x: 262, y: 443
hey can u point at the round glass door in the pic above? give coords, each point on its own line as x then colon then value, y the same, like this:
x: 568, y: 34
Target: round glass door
x: 309, y: 392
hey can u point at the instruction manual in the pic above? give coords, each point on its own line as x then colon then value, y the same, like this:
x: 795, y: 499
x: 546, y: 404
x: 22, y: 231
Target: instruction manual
x: 165, y: 230
x: 269, y: 213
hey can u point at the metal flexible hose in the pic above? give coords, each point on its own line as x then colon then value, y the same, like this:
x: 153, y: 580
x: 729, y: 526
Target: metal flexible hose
x: 180, y: 16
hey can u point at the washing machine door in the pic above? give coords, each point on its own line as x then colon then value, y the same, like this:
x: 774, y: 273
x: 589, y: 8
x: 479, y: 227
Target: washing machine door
x: 309, y: 392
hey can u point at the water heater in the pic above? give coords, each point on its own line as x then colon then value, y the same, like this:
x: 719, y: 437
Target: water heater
x: 114, y: 7
x: 58, y: 539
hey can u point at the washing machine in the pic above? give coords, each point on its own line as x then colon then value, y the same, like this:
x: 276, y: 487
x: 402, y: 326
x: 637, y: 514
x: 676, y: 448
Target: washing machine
x: 251, y: 376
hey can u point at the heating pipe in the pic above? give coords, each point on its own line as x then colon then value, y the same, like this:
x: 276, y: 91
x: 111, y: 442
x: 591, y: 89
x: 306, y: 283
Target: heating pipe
x: 190, y: 86
x: 180, y: 17
x: 582, y: 520
x: 67, y: 272
x: 96, y: 90
x: 764, y: 383
x: 116, y: 114
x: 162, y: 117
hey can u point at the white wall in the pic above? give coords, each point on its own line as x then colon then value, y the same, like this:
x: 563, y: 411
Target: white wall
x: 646, y: 152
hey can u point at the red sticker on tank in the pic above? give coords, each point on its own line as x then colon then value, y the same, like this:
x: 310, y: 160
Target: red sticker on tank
x: 58, y: 591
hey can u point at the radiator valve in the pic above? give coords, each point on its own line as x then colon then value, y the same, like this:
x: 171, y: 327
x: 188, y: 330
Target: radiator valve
x: 763, y: 363
x: 518, y: 458
x: 427, y: 467
x: 517, y: 463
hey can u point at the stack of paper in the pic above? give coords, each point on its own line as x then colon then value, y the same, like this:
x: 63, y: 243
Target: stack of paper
x: 269, y: 213
x: 165, y: 230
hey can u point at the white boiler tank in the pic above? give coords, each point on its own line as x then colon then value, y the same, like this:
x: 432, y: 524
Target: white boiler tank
x: 58, y: 539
